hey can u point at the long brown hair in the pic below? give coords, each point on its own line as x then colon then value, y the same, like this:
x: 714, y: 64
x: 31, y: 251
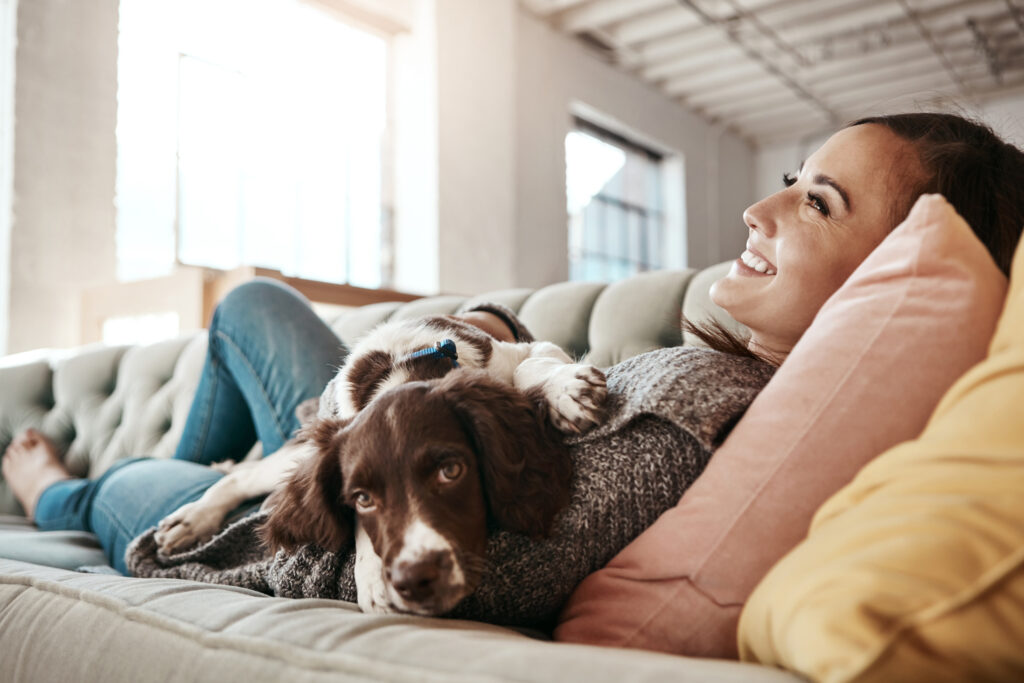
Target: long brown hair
x: 718, y: 337
x: 978, y: 173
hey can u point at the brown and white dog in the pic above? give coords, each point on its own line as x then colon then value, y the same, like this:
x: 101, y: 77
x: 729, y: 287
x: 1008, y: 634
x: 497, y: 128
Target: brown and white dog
x: 420, y: 477
x: 571, y: 395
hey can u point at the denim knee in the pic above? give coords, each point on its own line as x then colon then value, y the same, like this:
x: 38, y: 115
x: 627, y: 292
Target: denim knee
x: 272, y: 298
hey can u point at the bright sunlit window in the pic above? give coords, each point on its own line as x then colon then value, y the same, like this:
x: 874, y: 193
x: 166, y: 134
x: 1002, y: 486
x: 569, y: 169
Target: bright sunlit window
x: 250, y: 132
x: 616, y: 221
x: 140, y: 329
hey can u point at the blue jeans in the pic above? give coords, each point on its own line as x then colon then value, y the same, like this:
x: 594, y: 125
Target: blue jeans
x: 268, y: 352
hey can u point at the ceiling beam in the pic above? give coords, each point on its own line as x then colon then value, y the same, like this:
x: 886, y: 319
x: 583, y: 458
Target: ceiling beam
x: 827, y: 70
x: 926, y: 35
x: 738, y: 104
x: 724, y: 72
x: 898, y: 28
x: 786, y: 79
x: 548, y: 7
x: 693, y: 61
x: 729, y: 92
x: 913, y: 85
x: 685, y: 42
x: 601, y: 13
x: 669, y: 20
x: 923, y: 65
x: 750, y: 109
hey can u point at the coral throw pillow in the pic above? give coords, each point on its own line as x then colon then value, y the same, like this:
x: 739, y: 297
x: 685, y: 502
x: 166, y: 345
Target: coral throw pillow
x: 866, y: 375
x: 915, y: 571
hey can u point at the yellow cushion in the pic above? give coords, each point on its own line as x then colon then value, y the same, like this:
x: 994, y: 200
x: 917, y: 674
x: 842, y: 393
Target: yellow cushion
x: 915, y: 570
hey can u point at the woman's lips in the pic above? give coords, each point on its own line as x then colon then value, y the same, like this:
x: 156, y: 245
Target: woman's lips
x: 755, y: 263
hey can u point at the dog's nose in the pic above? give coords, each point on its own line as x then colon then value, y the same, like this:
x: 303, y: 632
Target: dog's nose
x: 416, y: 581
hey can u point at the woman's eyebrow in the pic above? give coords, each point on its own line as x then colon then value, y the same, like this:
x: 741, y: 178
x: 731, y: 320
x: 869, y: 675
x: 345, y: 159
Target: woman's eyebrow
x: 822, y: 179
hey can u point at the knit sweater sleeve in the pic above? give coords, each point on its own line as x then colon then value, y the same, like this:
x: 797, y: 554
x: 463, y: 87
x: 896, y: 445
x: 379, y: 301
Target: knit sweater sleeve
x: 669, y: 410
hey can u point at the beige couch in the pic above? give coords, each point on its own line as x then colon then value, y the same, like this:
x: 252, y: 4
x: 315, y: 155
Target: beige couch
x: 101, y: 404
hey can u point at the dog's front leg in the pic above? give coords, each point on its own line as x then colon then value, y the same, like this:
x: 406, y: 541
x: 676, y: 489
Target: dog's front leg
x: 198, y: 521
x: 371, y: 590
x: 575, y: 392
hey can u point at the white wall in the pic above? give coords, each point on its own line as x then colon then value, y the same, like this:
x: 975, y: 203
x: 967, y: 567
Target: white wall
x: 8, y: 21
x: 477, y: 141
x: 65, y: 109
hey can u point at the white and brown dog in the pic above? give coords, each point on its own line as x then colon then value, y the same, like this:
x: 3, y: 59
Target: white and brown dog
x: 340, y: 469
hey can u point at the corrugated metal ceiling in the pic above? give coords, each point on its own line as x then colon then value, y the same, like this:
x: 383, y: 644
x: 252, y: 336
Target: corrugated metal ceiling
x: 775, y: 70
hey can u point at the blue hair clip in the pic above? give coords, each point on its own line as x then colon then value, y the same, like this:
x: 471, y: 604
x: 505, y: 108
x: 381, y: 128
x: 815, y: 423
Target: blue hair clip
x: 442, y: 349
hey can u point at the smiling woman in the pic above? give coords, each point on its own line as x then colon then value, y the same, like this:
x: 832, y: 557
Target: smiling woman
x: 806, y: 239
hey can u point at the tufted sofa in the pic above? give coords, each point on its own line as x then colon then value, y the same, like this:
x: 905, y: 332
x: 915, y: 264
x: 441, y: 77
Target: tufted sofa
x: 100, y: 404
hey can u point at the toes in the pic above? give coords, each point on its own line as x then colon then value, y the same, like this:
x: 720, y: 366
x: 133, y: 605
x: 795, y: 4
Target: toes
x: 591, y: 375
x: 572, y: 416
x: 29, y: 438
x: 15, y: 450
x: 579, y: 405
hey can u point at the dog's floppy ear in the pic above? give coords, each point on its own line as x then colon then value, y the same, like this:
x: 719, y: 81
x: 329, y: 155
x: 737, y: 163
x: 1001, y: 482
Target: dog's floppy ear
x: 308, y: 509
x: 523, y: 460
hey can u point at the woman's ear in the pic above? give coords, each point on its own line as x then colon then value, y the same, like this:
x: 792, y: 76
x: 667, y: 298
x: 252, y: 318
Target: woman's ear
x: 308, y: 508
x: 524, y: 462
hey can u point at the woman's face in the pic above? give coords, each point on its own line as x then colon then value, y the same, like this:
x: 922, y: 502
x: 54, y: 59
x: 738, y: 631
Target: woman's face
x: 806, y: 239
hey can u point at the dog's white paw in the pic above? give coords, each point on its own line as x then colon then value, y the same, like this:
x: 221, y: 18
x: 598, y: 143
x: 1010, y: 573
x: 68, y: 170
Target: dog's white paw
x: 371, y: 588
x: 576, y: 396
x: 373, y: 597
x: 187, y: 526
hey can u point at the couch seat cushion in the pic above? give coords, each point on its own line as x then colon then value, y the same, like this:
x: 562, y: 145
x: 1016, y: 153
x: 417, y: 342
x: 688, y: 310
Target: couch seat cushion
x: 59, y: 625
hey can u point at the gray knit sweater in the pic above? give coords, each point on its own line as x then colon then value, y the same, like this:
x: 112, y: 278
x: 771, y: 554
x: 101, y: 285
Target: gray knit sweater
x: 668, y: 411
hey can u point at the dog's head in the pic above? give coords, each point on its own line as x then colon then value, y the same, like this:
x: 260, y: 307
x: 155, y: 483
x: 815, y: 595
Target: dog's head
x: 427, y: 467
x: 386, y: 358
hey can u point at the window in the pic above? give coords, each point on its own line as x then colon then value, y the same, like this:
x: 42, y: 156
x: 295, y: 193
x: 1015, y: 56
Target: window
x: 614, y: 193
x: 250, y: 134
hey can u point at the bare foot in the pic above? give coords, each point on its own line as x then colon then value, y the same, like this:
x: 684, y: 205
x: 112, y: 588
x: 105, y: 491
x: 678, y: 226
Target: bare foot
x: 30, y: 465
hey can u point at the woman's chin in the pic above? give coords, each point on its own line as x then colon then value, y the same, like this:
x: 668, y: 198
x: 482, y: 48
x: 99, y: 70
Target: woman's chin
x: 737, y: 291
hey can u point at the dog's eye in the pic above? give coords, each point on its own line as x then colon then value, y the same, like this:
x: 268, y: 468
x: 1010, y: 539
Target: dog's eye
x: 450, y: 471
x: 363, y: 500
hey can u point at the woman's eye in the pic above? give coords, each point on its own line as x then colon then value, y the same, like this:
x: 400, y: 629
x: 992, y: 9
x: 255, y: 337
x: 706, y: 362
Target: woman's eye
x: 818, y: 203
x: 450, y: 471
x: 363, y: 500
x: 788, y: 179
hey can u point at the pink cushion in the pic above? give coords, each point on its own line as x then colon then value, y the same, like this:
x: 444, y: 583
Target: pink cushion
x: 865, y: 376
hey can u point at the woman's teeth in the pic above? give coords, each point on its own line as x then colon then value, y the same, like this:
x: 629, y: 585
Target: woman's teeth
x: 757, y: 263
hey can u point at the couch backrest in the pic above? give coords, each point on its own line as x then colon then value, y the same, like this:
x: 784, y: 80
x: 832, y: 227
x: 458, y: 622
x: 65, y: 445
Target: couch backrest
x: 100, y: 404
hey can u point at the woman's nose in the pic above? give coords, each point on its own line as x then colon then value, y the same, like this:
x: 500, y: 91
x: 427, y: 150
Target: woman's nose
x: 759, y: 217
